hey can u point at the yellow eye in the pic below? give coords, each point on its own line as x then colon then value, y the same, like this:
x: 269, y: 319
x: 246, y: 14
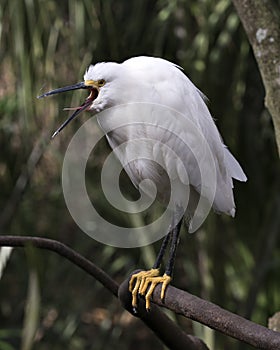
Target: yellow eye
x: 101, y: 82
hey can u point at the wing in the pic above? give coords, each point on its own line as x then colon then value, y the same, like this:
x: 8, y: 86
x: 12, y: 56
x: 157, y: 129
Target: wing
x: 194, y: 129
x: 178, y: 117
x: 227, y: 167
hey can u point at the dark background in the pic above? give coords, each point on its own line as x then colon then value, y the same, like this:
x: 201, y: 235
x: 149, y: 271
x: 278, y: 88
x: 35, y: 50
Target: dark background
x: 232, y: 262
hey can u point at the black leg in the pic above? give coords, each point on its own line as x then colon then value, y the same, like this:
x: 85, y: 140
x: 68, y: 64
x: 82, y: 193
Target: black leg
x: 162, y: 250
x: 144, y: 282
x: 173, y: 248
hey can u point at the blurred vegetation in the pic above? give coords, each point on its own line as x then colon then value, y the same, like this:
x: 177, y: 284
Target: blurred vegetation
x: 234, y: 263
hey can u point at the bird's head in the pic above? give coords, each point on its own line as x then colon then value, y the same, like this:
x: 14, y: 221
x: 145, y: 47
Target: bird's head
x: 98, y: 80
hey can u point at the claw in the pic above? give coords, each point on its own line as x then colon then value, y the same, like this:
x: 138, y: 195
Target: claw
x: 165, y: 283
x: 147, y: 280
x: 140, y: 279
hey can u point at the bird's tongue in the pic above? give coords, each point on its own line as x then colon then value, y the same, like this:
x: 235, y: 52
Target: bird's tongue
x: 92, y: 96
x: 77, y: 110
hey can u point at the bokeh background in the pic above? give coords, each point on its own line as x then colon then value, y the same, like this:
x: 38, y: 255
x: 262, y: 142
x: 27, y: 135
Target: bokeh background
x: 234, y: 263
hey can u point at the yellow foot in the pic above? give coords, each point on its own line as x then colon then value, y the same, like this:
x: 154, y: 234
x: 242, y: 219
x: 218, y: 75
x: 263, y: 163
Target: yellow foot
x: 145, y: 279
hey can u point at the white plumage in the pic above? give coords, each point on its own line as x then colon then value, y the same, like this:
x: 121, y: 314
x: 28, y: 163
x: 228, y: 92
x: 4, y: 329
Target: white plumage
x: 160, y: 82
x: 158, y: 125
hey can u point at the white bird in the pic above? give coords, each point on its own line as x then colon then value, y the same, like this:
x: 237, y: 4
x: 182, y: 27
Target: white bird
x: 159, y: 82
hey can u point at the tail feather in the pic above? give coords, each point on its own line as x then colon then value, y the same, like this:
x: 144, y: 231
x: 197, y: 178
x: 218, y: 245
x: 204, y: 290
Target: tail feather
x: 224, y: 199
x: 233, y: 167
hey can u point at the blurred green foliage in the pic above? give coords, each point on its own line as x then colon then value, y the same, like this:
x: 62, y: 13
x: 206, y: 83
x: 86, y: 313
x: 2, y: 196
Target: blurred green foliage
x: 234, y: 263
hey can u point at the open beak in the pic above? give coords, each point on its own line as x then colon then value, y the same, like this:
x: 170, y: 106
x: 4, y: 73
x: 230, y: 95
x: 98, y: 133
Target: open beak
x: 93, y: 95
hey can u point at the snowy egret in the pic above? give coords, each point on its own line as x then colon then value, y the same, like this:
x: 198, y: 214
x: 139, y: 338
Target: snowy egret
x: 158, y: 81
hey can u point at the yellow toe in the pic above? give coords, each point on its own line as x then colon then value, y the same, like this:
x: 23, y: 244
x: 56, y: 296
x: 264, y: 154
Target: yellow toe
x: 166, y: 281
x: 144, y: 283
x: 137, y: 281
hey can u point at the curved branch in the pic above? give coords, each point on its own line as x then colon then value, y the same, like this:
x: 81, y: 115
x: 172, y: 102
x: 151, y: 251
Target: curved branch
x: 176, y: 300
x: 157, y: 321
x: 173, y: 337
x: 217, y: 318
x: 66, y: 252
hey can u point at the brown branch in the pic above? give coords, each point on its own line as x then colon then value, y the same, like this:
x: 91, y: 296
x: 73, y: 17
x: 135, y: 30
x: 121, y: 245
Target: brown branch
x: 157, y: 321
x: 262, y: 28
x: 66, y: 252
x: 176, y: 300
x: 217, y: 318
